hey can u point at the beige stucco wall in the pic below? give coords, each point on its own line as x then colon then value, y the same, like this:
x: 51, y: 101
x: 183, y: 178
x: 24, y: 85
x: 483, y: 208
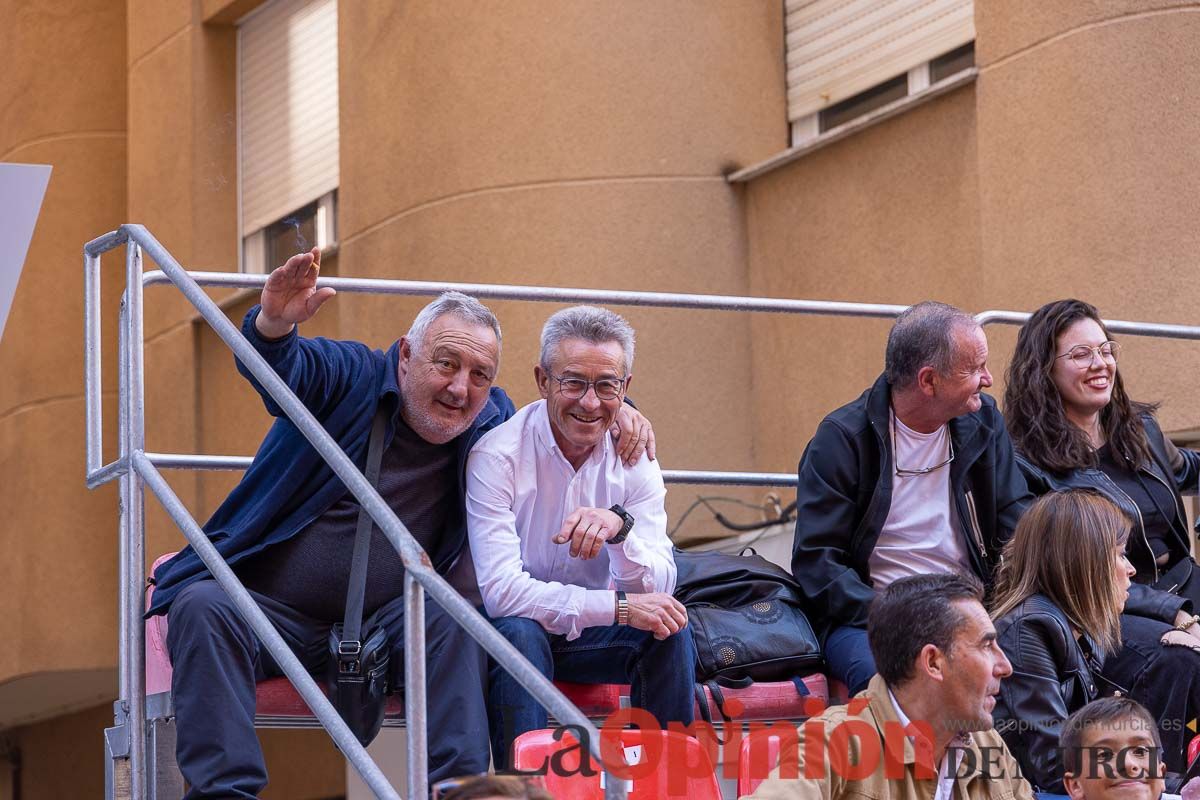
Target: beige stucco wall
x: 1065, y: 170
x: 567, y: 145
x: 564, y: 148
x: 57, y: 575
x: 1087, y: 123
x: 889, y: 215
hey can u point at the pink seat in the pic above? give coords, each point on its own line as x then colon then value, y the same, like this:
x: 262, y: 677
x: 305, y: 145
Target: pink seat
x: 668, y: 766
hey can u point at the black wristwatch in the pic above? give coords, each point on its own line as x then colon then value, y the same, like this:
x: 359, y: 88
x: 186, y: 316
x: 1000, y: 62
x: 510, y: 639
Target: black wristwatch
x: 626, y: 524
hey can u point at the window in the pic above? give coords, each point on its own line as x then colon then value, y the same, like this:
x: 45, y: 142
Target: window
x: 848, y: 57
x: 862, y: 103
x: 287, y: 130
x: 952, y: 63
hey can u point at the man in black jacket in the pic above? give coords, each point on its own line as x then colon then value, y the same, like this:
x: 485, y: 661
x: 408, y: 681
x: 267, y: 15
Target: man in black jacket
x: 915, y: 476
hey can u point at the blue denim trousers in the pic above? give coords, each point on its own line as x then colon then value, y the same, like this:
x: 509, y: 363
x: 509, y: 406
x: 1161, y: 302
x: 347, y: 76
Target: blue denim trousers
x: 849, y: 657
x: 662, y: 675
x: 217, y: 660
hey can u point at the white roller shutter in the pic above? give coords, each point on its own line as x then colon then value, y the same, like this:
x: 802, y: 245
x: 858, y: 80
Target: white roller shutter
x: 838, y: 48
x: 288, y: 108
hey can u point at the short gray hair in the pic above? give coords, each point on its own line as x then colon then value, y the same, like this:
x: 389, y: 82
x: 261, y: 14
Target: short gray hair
x: 591, y: 324
x: 923, y: 336
x: 463, y: 306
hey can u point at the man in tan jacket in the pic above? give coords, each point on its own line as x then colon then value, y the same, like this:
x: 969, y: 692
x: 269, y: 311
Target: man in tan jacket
x: 922, y: 730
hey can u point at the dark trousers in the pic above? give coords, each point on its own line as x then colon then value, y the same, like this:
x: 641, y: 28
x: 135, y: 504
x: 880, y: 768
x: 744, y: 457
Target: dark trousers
x: 849, y: 657
x: 217, y: 659
x: 662, y: 674
x: 1165, y: 679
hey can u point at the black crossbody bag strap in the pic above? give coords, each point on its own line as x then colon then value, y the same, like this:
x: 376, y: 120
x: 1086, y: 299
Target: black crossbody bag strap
x: 351, y: 642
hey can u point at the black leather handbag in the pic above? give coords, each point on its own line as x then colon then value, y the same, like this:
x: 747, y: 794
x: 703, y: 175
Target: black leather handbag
x: 357, y: 670
x: 358, y: 680
x: 744, y: 614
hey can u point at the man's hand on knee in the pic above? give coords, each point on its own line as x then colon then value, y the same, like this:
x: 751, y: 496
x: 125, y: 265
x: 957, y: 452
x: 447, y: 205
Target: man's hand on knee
x: 656, y: 612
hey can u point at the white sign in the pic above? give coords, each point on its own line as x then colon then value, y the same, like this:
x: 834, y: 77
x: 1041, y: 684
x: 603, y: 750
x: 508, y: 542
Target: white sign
x: 22, y: 187
x: 633, y: 755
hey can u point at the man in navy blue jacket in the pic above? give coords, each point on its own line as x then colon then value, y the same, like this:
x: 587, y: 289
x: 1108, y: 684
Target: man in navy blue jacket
x: 287, y: 529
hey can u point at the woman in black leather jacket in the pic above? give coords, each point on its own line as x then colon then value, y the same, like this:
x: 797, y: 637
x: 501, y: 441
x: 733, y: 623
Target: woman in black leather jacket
x: 1073, y: 425
x: 1058, y: 597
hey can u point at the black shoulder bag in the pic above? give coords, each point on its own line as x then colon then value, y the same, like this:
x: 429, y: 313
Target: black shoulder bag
x: 746, y: 618
x: 357, y: 670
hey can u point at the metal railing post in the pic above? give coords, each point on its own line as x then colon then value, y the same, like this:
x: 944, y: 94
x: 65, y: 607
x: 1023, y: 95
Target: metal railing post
x: 415, y: 714
x: 123, y: 758
x: 133, y: 529
x: 92, y: 251
x: 91, y: 360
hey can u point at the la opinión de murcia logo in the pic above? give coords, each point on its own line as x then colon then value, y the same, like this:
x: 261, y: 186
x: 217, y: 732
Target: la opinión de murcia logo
x: 850, y: 749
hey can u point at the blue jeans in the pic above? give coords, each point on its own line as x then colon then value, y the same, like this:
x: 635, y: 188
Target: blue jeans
x: 849, y: 657
x: 218, y: 659
x: 662, y: 674
x: 1163, y: 678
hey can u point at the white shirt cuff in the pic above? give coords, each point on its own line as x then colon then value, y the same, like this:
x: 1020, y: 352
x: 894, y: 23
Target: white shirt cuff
x: 599, y: 608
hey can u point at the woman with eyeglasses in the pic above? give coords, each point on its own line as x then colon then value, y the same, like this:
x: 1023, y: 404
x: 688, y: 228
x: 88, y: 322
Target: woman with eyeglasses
x: 1057, y: 603
x: 1074, y: 426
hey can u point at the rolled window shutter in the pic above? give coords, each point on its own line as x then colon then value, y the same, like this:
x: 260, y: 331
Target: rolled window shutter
x: 838, y: 48
x: 288, y: 83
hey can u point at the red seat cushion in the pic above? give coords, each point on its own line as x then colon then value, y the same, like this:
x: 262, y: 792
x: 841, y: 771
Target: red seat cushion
x: 770, y: 701
x: 594, y: 699
x: 278, y: 698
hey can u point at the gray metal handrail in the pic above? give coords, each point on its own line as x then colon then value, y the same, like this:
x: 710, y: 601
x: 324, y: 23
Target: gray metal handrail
x: 98, y: 474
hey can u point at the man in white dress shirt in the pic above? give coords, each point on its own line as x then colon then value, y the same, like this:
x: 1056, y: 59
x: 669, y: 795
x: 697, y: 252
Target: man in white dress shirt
x: 570, y: 545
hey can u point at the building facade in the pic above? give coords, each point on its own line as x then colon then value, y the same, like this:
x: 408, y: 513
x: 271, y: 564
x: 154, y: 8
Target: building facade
x: 612, y: 145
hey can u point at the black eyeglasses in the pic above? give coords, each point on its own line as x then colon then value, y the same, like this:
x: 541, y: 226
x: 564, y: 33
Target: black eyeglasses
x: 575, y: 388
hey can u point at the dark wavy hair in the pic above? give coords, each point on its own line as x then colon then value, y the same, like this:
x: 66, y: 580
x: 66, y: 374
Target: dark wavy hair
x: 1033, y: 409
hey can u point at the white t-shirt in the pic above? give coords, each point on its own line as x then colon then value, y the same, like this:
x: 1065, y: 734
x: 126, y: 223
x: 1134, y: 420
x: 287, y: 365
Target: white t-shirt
x: 921, y: 534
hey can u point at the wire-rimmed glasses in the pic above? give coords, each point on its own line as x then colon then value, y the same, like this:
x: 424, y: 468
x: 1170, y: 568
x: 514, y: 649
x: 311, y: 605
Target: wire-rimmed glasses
x: 1083, y: 355
x: 574, y: 388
